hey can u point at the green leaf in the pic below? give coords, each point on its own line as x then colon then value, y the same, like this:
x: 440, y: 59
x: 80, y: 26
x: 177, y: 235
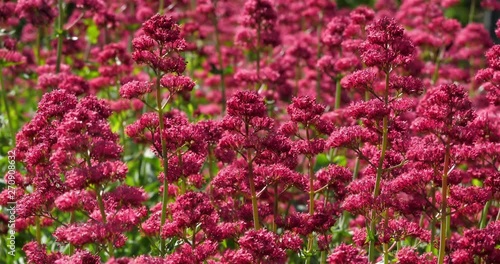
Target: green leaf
x: 370, y: 236
x: 340, y: 160
x: 321, y: 161
x: 477, y: 183
x: 92, y: 31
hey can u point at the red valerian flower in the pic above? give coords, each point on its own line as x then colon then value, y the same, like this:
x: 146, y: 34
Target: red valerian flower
x: 387, y: 45
x: 246, y: 105
x: 446, y: 110
x: 135, y: 89
x: 37, y: 253
x: 407, y: 255
x: 346, y: 254
x: 162, y: 37
x: 38, y: 12
x: 261, y: 16
x: 262, y: 245
x: 177, y: 84
x: 305, y: 110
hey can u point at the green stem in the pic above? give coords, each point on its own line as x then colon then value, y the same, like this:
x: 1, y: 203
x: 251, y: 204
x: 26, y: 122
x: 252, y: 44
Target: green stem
x: 444, y: 190
x: 38, y: 230
x: 3, y: 91
x: 484, y: 215
x: 182, y: 178
x: 323, y: 257
x: 310, y: 240
x: 338, y: 93
x: 210, y: 162
x: 275, y: 208
x: 255, y: 208
x: 380, y: 169
x: 432, y: 224
x: 498, y: 216
x: 160, y: 7
x: 356, y: 169
x: 164, y: 156
x: 60, y: 35
x: 193, y: 238
x: 472, y: 11
x: 71, y: 221
x: 384, y: 245
x: 100, y: 203
x: 38, y: 45
x: 435, y: 75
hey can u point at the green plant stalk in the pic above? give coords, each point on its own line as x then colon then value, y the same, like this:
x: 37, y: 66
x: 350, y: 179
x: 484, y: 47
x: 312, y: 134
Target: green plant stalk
x: 161, y: 7
x: 71, y: 221
x: 255, y: 208
x: 435, y: 75
x: 384, y: 245
x: 182, y: 178
x: 323, y: 257
x: 498, y: 216
x: 122, y: 131
x: 100, y: 203
x: 484, y: 215
x: 338, y: 93
x: 356, y: 169
x: 164, y: 156
x: 444, y: 219
x: 210, y: 162
x: 219, y: 58
x: 275, y: 208
x: 3, y: 91
x: 310, y: 240
x: 376, y: 191
x: 432, y: 224
x: 59, y: 35
x: 472, y: 11
x: 38, y: 45
x: 38, y: 230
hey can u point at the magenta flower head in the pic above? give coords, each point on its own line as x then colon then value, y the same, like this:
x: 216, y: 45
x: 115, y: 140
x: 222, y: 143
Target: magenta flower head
x: 261, y: 16
x: 361, y: 80
x: 135, y: 89
x: 263, y: 246
x: 10, y: 58
x: 333, y: 36
x: 491, y: 75
x: 347, y: 254
x: 387, y: 45
x: 305, y: 110
x: 177, y: 84
x: 39, y: 12
x: 445, y: 110
x: 258, y: 11
x: 114, y: 61
x: 160, y: 45
x: 246, y: 105
x: 362, y: 15
x: 162, y: 29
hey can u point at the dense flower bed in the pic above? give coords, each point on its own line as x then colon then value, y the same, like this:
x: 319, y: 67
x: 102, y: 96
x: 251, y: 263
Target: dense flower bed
x: 252, y: 131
